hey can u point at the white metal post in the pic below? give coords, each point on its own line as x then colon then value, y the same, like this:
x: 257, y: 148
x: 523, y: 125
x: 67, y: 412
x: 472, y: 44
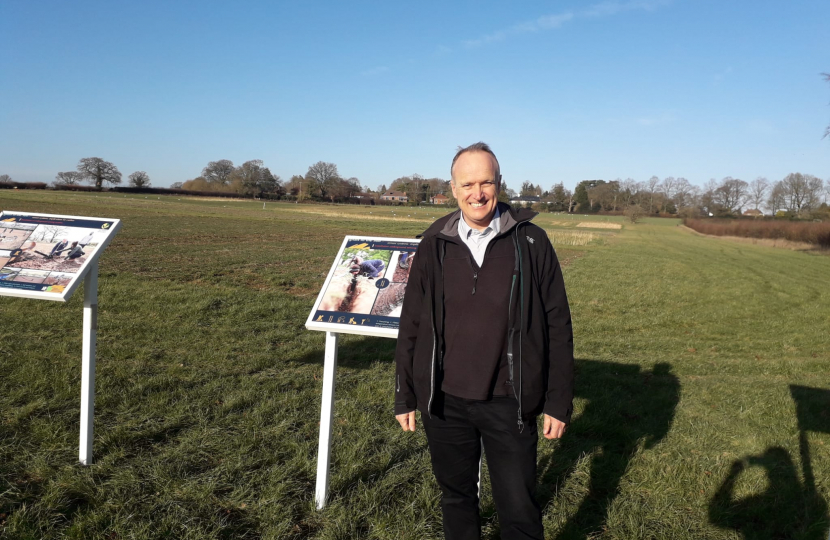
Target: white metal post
x: 326, y: 414
x: 88, y: 363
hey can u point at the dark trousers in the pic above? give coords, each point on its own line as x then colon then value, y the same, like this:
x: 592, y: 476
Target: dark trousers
x: 455, y: 433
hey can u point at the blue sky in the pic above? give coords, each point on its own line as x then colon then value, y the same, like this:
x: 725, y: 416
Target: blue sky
x: 563, y: 91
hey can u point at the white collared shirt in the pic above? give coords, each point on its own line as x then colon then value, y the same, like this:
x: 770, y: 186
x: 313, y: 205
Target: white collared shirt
x: 476, y: 240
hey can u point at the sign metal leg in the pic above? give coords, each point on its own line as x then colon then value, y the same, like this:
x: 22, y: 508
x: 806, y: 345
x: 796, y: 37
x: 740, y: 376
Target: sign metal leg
x: 326, y: 414
x: 88, y: 363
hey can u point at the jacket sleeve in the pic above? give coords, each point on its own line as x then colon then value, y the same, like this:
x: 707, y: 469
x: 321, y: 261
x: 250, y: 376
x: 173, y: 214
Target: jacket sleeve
x: 410, y: 321
x: 560, y: 387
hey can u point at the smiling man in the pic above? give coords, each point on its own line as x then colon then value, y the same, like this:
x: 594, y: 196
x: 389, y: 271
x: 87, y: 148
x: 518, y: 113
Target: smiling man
x: 485, y: 346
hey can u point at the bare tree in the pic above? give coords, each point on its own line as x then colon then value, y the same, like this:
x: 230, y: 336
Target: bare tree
x: 69, y: 178
x: 219, y: 172
x: 732, y: 194
x: 139, y: 179
x: 758, y: 191
x: 815, y: 188
x: 98, y: 171
x: 176, y: 185
x: 47, y: 233
x: 652, y: 184
x: 777, y: 197
x: 682, y: 192
x: 322, y: 176
x: 5, y: 178
x: 795, y: 191
x: 668, y: 188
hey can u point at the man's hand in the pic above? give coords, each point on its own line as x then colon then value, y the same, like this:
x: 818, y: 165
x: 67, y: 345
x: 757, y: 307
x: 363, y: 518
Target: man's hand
x: 553, y: 429
x: 407, y: 421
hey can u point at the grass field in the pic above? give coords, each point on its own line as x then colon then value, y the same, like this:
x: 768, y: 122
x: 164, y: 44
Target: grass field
x: 702, y: 411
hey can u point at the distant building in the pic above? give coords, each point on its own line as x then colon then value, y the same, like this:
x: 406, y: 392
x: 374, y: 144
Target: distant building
x: 398, y: 196
x: 754, y: 213
x: 439, y: 199
x: 525, y: 200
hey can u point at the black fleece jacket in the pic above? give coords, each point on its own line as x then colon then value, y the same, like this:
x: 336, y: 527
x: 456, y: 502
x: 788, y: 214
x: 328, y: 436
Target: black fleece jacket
x: 539, y: 334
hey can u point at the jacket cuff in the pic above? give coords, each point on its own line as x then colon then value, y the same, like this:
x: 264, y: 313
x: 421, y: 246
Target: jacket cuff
x: 563, y: 415
x: 403, y: 407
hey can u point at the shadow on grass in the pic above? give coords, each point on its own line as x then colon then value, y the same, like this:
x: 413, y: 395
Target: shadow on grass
x: 356, y: 352
x: 626, y: 407
x: 787, y: 508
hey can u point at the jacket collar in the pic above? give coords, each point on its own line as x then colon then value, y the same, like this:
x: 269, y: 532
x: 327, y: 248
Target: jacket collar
x: 447, y: 226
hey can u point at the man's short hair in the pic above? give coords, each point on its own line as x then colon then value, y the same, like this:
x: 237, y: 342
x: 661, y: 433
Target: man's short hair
x: 477, y: 147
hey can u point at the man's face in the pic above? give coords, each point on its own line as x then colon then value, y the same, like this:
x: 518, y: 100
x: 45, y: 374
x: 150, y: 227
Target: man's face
x: 476, y: 187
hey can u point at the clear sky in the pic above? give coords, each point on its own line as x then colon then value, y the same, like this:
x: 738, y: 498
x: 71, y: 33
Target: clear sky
x: 562, y: 90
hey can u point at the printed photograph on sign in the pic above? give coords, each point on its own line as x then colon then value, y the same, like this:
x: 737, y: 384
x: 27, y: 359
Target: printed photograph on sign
x: 352, y: 288
x: 57, y: 248
x: 31, y: 276
x: 57, y: 281
x: 400, y: 269
x: 46, y: 256
x: 8, y: 274
x: 364, y: 291
x: 12, y: 235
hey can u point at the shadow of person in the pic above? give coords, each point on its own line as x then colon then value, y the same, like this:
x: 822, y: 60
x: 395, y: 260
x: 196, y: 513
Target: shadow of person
x: 626, y: 407
x: 786, y: 509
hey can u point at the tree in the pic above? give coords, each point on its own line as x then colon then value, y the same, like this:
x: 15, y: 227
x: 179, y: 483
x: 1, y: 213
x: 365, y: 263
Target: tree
x: 5, y: 178
x: 98, y: 171
x: 139, y: 179
x: 604, y: 195
x: 795, y: 191
x: 634, y: 213
x: 777, y: 198
x: 560, y: 197
x: 69, y: 178
x: 668, y: 188
x: 198, y: 184
x: 728, y: 196
x: 682, y: 192
x: 758, y: 191
x: 582, y: 197
x: 815, y: 189
x: 528, y: 189
x: 176, y: 185
x: 322, y: 176
x: 253, y: 179
x: 219, y: 172
x: 652, y: 184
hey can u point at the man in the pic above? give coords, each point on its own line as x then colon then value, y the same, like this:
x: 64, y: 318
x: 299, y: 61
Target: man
x: 58, y: 248
x: 485, y: 345
x: 75, y: 251
x: 371, y: 269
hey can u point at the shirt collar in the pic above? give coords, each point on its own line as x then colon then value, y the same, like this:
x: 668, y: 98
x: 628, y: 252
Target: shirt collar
x: 465, y: 231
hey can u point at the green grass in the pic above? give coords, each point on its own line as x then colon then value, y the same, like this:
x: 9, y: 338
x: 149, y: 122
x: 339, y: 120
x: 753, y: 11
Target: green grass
x: 208, y: 386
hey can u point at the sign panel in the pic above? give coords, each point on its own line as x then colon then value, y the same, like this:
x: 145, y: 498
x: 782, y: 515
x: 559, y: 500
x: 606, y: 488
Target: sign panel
x: 363, y: 293
x: 45, y: 256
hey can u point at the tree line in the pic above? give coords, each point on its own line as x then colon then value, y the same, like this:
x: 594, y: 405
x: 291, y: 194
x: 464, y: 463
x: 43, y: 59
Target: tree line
x: 796, y: 194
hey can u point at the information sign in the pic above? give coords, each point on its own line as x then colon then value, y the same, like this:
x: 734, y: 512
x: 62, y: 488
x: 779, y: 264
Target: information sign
x: 45, y: 256
x: 363, y: 293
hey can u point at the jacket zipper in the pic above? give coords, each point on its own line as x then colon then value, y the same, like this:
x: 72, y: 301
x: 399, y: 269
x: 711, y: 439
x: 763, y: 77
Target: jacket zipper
x: 521, y: 324
x: 434, y: 341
